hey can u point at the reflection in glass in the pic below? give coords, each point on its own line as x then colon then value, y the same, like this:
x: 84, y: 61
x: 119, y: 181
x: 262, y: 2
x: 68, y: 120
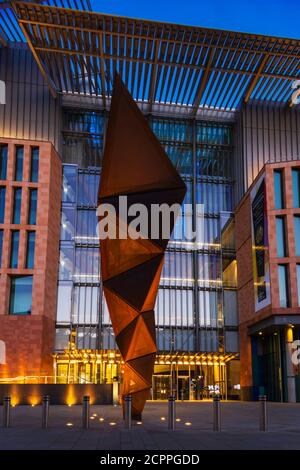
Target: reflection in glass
x: 34, y: 165
x: 21, y: 295
x: 283, y: 285
x: 64, y: 302
x: 66, y: 263
x: 17, y: 206
x: 296, y: 186
x: 2, y: 204
x: 278, y: 189
x: 14, y: 249
x: 67, y: 223
x: 1, y: 246
x: 19, y: 163
x: 32, y: 206
x: 3, y: 161
x: 280, y: 237
x: 297, y: 234
x: 30, y: 250
x: 69, y: 183
x: 298, y: 282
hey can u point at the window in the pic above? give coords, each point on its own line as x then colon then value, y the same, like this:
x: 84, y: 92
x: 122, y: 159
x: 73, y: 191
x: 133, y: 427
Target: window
x: 1, y: 244
x: 14, y: 249
x: 296, y: 187
x: 280, y: 237
x: 283, y: 285
x: 297, y: 234
x: 2, y: 204
x: 30, y: 250
x: 69, y: 183
x: 17, y: 206
x: 19, y: 163
x: 32, y: 206
x: 278, y: 189
x: 20, y: 295
x: 34, y: 164
x: 298, y: 282
x: 3, y: 161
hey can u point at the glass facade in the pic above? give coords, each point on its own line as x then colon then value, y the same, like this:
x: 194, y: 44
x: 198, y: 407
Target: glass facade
x: 189, y: 309
x: 19, y: 163
x: 14, y: 249
x: 1, y: 245
x: 17, y: 206
x: 296, y: 187
x: 34, y: 165
x: 21, y: 295
x: 278, y: 189
x: 30, y: 250
x: 3, y: 161
x: 2, y: 204
x: 280, y: 237
x: 283, y: 285
x: 33, y: 194
x: 297, y: 234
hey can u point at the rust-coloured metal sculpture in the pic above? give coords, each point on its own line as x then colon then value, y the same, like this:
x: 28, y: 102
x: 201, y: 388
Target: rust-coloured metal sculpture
x: 134, y: 165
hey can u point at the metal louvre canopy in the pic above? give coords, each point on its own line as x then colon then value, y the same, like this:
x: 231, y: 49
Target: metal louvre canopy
x: 9, y: 27
x: 166, y: 67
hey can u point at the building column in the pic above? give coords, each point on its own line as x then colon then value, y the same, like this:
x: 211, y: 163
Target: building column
x: 290, y: 376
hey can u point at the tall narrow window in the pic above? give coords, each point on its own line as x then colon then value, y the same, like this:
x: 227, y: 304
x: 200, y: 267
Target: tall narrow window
x: 34, y: 165
x: 2, y: 204
x: 17, y: 206
x: 30, y: 250
x: 32, y: 206
x: 278, y: 189
x: 14, y: 249
x: 1, y: 244
x: 298, y: 282
x: 20, y: 295
x: 296, y: 187
x: 283, y: 285
x: 280, y: 237
x: 19, y: 163
x: 297, y: 234
x: 3, y: 161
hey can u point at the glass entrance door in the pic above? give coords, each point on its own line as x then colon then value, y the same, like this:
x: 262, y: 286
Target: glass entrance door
x: 183, y: 388
x: 161, y: 387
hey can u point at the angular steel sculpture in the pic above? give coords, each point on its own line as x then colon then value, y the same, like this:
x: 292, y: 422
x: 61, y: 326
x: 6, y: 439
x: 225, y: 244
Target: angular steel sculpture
x: 134, y: 165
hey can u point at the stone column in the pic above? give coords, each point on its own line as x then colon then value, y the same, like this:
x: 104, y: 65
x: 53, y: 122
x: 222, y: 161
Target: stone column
x: 290, y: 376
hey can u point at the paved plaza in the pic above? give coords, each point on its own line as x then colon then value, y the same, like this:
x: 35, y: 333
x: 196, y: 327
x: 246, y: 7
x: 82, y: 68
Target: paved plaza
x: 240, y: 423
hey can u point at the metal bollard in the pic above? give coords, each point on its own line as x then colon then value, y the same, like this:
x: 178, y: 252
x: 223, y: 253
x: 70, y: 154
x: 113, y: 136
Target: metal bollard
x: 263, y: 424
x: 86, y: 412
x: 45, y: 411
x: 216, y: 414
x: 127, y: 401
x: 6, y: 412
x: 171, y: 412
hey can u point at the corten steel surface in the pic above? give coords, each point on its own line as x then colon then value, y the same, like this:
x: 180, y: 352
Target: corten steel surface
x: 134, y: 165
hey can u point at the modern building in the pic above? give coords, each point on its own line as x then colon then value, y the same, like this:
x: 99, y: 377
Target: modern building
x: 224, y: 106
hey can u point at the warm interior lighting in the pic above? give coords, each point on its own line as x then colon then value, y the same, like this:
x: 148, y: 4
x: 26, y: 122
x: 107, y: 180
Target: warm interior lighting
x: 112, y: 423
x: 178, y: 420
x: 101, y: 419
x: 188, y: 423
x: 163, y: 418
x: 69, y: 424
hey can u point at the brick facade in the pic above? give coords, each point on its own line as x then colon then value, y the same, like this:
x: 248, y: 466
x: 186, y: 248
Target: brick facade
x: 29, y: 339
x: 246, y: 303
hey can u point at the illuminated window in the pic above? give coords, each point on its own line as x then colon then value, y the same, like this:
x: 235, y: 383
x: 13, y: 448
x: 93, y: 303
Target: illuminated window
x: 19, y: 163
x: 296, y: 187
x: 3, y: 161
x: 32, y: 206
x: 30, y: 250
x: 34, y: 165
x: 17, y: 205
x: 21, y: 295
x: 14, y: 249
x: 278, y: 189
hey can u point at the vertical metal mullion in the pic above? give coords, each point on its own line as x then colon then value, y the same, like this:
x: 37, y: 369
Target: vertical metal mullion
x: 195, y: 253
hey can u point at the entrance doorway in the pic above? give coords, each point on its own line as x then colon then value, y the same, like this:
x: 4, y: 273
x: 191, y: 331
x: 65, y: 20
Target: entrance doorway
x: 161, y: 387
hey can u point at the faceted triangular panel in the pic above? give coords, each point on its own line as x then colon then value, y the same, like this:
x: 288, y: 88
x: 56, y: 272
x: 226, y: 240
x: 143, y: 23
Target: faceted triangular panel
x: 143, y: 365
x: 133, y: 285
x: 142, y: 339
x: 134, y: 160
x: 116, y: 305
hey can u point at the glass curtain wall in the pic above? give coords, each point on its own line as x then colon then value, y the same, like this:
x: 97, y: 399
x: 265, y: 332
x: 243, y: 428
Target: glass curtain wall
x: 189, y: 308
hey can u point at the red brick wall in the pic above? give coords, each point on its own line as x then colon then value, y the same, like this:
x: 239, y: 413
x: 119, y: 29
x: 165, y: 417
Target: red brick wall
x: 30, y: 339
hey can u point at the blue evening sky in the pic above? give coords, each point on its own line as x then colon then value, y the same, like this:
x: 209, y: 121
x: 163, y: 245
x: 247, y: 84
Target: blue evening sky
x: 276, y: 18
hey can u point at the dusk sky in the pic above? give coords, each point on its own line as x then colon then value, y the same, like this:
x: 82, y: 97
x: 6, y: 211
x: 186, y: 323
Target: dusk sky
x: 276, y: 18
